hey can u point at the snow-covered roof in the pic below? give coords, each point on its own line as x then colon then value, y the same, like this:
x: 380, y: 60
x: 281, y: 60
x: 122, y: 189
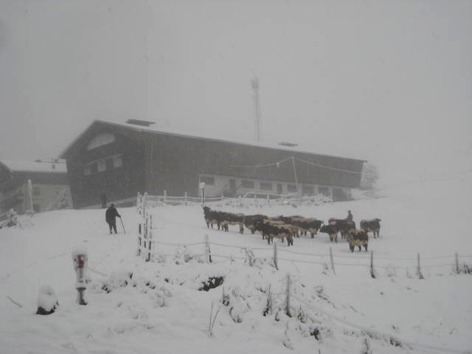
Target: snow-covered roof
x: 281, y: 146
x: 52, y: 166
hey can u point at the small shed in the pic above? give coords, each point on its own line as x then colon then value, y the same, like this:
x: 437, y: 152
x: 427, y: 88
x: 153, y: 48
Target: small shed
x: 48, y: 181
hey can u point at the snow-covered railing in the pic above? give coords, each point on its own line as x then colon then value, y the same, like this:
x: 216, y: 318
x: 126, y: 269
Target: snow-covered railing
x: 250, y: 199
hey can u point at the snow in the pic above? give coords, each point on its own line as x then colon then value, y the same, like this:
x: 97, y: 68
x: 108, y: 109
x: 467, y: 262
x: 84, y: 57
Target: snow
x: 147, y: 307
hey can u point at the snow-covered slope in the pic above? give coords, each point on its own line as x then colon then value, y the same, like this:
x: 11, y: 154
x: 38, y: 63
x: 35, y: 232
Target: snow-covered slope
x: 148, y: 307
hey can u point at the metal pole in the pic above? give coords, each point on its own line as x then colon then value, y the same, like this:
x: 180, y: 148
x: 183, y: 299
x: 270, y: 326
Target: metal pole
x: 420, y: 275
x: 295, y: 173
x: 275, y: 256
x: 255, y: 87
x: 457, y: 264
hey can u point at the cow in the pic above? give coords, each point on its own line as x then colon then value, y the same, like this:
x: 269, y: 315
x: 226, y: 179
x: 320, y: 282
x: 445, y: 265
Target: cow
x: 359, y: 238
x: 232, y: 219
x: 251, y: 220
x: 211, y: 217
x: 342, y: 225
x: 331, y: 230
x: 311, y: 225
x: 372, y: 225
x: 271, y: 229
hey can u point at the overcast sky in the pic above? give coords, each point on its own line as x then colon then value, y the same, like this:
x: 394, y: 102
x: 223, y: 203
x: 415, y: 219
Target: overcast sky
x: 386, y: 81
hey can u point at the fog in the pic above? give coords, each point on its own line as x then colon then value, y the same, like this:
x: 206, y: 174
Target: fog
x: 385, y: 81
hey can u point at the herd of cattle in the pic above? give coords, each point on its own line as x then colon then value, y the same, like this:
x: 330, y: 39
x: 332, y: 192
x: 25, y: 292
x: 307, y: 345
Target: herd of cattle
x: 286, y: 227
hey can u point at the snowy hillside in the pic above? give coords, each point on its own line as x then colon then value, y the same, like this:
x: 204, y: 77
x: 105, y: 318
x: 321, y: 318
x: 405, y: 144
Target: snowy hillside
x: 305, y: 306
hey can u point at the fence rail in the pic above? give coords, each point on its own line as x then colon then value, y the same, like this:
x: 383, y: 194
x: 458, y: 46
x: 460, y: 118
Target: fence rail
x: 266, y: 199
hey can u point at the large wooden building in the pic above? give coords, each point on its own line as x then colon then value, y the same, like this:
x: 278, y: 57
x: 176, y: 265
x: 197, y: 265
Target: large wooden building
x: 120, y: 160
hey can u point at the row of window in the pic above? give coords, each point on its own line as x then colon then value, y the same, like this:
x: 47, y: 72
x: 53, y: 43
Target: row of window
x: 102, y: 165
x: 269, y: 186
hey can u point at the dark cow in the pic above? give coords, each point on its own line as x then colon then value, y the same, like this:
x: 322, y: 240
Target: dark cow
x: 359, y: 238
x: 342, y: 225
x: 211, y: 217
x: 223, y: 219
x: 232, y: 219
x: 271, y: 229
x: 251, y: 220
x: 372, y: 225
x: 331, y: 230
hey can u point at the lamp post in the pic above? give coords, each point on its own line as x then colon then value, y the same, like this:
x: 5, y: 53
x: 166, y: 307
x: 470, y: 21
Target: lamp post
x: 202, y: 189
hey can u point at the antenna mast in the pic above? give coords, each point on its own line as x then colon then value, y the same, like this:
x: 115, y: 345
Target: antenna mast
x: 255, y: 87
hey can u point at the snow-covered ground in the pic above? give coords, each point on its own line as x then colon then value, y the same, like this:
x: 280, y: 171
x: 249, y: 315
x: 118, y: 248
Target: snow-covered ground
x: 158, y: 307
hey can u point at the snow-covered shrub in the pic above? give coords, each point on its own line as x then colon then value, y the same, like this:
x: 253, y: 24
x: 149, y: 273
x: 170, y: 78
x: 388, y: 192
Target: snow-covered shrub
x: 211, y: 283
x: 12, y: 218
x: 47, y: 300
x: 117, y: 279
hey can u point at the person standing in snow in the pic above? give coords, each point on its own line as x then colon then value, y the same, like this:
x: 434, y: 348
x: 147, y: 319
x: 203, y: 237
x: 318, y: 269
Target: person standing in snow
x: 349, y: 216
x: 110, y: 217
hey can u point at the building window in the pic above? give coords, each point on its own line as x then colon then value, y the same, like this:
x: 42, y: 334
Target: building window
x: 209, y: 181
x: 101, y: 165
x: 109, y: 163
x: 291, y: 188
x: 308, y: 190
x: 325, y: 191
x: 247, y: 183
x: 266, y: 186
x: 100, y: 140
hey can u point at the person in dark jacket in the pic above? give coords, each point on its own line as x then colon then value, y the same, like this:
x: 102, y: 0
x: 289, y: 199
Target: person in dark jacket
x: 349, y: 216
x: 110, y: 217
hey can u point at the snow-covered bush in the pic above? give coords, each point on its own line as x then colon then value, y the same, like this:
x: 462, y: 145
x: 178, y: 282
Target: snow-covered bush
x: 47, y: 300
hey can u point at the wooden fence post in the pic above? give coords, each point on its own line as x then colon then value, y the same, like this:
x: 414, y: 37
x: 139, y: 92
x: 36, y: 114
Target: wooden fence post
x: 287, y: 300
x: 145, y: 232
x: 165, y: 196
x: 139, y: 239
x: 275, y: 256
x: 207, y: 249
x: 185, y: 198
x: 420, y: 275
x: 457, y: 264
x: 372, y: 272
x: 332, y: 259
x: 148, y: 258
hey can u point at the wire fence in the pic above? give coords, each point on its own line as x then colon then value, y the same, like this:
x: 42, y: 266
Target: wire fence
x: 282, y: 257
x: 214, y: 251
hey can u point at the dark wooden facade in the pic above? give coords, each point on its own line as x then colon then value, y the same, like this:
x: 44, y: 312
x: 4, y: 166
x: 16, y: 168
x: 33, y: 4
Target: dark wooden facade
x: 134, y: 159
